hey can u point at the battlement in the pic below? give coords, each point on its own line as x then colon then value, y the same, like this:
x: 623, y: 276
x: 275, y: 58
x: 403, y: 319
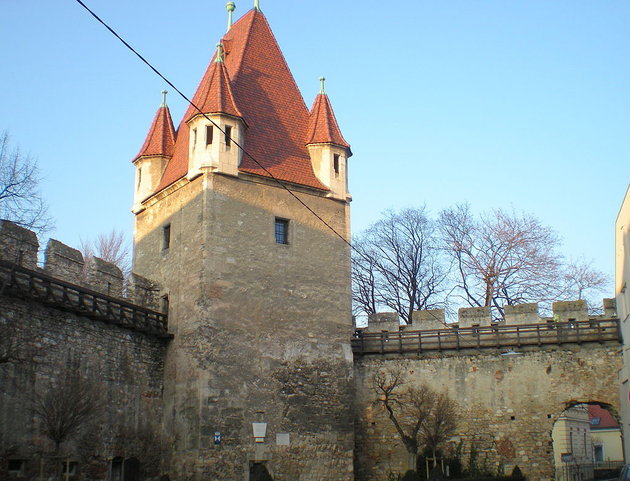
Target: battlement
x: 95, y: 289
x: 467, y: 317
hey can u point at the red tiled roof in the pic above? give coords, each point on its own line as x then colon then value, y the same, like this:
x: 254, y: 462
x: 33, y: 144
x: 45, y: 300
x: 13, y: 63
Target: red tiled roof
x: 323, y: 127
x: 161, y: 137
x: 270, y: 103
x: 216, y: 95
x: 606, y: 421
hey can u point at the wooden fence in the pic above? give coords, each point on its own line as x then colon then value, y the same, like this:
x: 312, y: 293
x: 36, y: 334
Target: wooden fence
x: 17, y: 281
x: 505, y: 337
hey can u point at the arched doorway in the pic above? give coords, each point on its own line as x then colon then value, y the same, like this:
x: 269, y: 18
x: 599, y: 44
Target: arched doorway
x: 587, y: 442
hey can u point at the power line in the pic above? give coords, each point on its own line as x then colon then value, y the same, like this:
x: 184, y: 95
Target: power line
x: 278, y: 181
x: 190, y: 102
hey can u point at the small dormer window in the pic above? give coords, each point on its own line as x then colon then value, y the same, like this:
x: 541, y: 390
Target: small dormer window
x: 209, y: 134
x: 336, y: 164
x: 228, y: 136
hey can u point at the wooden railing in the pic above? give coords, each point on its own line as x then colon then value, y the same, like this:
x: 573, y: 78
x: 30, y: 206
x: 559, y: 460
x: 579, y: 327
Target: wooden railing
x: 17, y: 281
x: 487, y: 337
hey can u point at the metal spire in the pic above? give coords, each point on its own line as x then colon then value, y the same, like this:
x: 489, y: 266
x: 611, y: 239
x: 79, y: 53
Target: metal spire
x: 321, y: 90
x: 219, y: 57
x: 164, y: 92
x: 257, y: 5
x: 230, y: 7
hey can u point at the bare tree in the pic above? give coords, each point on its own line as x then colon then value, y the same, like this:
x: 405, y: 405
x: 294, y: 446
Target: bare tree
x: 111, y: 247
x: 501, y: 258
x: 20, y: 198
x: 422, y: 418
x: 581, y: 279
x: 440, y: 425
x: 398, y: 264
x: 67, y: 406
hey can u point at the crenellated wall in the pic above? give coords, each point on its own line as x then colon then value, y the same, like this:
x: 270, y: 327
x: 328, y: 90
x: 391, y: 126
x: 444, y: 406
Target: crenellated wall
x: 20, y: 246
x: 511, y: 381
x: 47, y: 336
x: 521, y: 314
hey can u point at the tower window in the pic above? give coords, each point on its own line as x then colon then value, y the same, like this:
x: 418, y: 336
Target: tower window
x: 209, y: 132
x: 194, y: 138
x: 336, y: 163
x: 165, y: 304
x: 228, y: 136
x: 166, y: 236
x: 282, y: 231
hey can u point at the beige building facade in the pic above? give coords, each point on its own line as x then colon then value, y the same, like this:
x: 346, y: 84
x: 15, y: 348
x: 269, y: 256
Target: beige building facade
x: 622, y: 293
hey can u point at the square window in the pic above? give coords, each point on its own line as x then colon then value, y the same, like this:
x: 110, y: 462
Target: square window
x: 282, y: 231
x: 16, y: 468
x: 166, y: 236
x: 70, y: 468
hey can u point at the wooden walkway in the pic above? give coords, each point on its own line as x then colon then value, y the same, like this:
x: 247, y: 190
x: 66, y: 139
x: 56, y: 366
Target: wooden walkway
x: 17, y: 281
x: 487, y: 337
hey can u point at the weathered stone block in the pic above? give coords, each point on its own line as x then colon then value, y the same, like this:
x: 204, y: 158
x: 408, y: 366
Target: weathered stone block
x: 521, y: 313
x: 143, y: 291
x: 383, y: 321
x: 18, y: 245
x: 566, y: 311
x: 429, y: 319
x: 104, y: 277
x: 610, y: 308
x: 469, y: 316
x: 63, y: 262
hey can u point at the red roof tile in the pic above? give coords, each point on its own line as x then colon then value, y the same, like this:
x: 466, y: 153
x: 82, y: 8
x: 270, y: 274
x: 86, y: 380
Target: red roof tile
x: 323, y: 127
x: 161, y: 137
x: 216, y: 94
x: 601, y: 418
x: 269, y: 100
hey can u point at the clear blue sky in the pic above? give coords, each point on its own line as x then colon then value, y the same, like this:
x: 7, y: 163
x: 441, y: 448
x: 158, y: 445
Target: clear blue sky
x: 522, y: 105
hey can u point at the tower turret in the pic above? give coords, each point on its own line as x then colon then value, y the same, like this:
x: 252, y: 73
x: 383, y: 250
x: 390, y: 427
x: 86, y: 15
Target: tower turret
x: 327, y: 148
x: 154, y: 155
x: 214, y: 133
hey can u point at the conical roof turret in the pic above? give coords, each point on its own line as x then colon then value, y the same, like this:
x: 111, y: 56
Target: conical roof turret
x: 322, y: 125
x: 161, y: 137
x: 215, y: 93
x: 253, y: 82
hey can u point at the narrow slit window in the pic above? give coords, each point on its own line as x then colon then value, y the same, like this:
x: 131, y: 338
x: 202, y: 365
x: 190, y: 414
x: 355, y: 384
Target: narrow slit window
x: 336, y: 163
x: 228, y: 136
x: 166, y: 236
x: 282, y: 231
x: 165, y: 304
x: 209, y: 134
x: 194, y: 138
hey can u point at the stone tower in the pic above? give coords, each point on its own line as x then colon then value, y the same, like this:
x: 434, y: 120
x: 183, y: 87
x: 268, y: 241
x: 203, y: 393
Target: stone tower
x: 256, y: 286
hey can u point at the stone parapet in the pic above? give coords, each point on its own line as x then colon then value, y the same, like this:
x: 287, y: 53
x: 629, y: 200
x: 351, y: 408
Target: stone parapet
x: 18, y: 245
x: 568, y: 311
x: 383, y: 321
x: 474, y: 316
x: 522, y: 314
x: 63, y: 262
x: 429, y: 319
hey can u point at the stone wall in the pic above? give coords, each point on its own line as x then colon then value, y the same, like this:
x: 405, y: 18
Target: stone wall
x: 508, y: 403
x: 262, y: 330
x: 44, y: 345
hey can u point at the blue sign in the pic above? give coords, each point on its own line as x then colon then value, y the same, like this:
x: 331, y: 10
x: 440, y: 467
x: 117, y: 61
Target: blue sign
x: 217, y: 438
